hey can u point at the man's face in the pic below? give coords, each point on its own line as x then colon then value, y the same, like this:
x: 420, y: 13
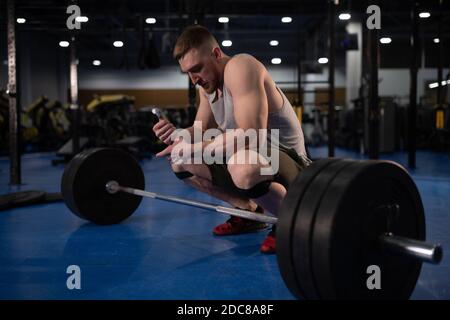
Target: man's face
x: 201, y: 66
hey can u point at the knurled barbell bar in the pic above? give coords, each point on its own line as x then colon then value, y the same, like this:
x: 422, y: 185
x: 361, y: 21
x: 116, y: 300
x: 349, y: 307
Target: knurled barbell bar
x: 338, y: 220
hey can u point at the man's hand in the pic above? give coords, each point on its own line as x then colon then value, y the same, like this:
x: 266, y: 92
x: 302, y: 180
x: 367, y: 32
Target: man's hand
x: 167, y: 151
x: 163, y: 130
x: 182, y: 153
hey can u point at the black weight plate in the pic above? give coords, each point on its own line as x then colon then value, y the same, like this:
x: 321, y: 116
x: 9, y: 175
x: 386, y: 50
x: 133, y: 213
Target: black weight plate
x: 351, y: 217
x: 286, y: 220
x: 27, y: 197
x: 304, y: 227
x: 21, y: 198
x: 84, y: 180
x: 52, y: 197
x: 4, y: 202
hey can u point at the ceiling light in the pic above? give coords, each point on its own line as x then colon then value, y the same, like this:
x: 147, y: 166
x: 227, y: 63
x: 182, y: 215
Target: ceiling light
x: 227, y: 43
x: 118, y: 44
x: 424, y: 15
x: 64, y: 44
x: 82, y: 19
x: 276, y: 61
x: 345, y: 16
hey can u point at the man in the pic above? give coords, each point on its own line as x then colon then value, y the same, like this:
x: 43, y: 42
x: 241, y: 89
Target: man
x: 236, y: 93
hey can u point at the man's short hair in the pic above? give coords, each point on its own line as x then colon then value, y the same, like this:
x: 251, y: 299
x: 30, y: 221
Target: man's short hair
x: 192, y: 37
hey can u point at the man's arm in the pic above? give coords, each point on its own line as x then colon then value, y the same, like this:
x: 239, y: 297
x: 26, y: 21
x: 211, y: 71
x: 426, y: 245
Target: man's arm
x: 204, y: 118
x: 204, y: 113
x: 244, y: 78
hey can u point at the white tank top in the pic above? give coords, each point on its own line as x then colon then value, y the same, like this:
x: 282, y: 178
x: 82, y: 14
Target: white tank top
x: 284, y: 119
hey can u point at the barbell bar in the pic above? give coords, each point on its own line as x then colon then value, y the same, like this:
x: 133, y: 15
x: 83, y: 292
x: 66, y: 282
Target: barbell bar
x: 114, y: 187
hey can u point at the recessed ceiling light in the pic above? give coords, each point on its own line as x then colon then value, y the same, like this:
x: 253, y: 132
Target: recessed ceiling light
x: 276, y: 61
x: 227, y: 43
x: 82, y: 19
x: 64, y: 44
x: 424, y: 15
x: 345, y: 16
x: 118, y: 44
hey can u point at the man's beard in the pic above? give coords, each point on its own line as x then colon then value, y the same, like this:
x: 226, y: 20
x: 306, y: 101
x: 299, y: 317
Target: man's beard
x: 210, y: 88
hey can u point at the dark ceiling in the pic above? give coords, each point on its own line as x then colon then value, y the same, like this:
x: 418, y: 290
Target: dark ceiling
x: 253, y: 23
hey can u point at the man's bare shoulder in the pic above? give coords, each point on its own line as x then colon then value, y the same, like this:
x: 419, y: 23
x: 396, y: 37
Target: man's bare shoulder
x: 242, y: 65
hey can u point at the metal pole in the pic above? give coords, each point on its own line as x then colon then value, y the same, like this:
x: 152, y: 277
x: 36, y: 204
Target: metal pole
x: 114, y: 187
x: 374, y: 110
x: 412, y: 110
x: 74, y: 97
x: 416, y: 249
x: 299, y: 67
x: 331, y: 67
x: 440, y: 58
x: 14, y: 101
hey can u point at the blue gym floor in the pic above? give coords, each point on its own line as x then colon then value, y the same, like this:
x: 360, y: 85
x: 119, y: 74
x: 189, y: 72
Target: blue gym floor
x: 167, y: 251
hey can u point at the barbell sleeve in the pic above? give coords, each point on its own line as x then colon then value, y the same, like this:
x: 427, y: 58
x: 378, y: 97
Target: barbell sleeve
x: 114, y: 187
x: 416, y: 249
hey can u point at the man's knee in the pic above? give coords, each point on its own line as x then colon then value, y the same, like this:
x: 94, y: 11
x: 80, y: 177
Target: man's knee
x: 243, y: 175
x: 245, y: 168
x: 249, y: 180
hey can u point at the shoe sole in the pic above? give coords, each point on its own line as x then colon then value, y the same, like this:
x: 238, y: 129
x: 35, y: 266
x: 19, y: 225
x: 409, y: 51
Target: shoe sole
x: 250, y: 230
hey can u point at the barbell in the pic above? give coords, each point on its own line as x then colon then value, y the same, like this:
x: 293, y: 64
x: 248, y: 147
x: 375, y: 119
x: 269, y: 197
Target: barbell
x: 342, y: 224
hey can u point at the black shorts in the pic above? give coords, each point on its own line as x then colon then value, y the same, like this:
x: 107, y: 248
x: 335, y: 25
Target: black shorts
x: 290, y: 165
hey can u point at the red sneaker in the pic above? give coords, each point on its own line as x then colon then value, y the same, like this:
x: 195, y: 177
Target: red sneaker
x: 269, y: 245
x: 237, y: 225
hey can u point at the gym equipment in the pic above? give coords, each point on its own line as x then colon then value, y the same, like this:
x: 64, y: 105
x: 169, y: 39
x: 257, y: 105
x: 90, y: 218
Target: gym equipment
x: 340, y: 221
x: 25, y: 198
x: 65, y: 153
x: 107, y: 119
x: 107, y: 101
